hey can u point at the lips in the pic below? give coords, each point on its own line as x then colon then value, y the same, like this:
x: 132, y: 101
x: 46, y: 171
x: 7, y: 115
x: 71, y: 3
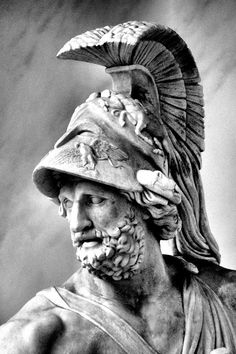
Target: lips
x: 90, y: 244
x: 89, y: 240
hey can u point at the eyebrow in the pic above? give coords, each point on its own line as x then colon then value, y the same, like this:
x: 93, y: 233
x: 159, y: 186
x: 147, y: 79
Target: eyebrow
x: 65, y: 191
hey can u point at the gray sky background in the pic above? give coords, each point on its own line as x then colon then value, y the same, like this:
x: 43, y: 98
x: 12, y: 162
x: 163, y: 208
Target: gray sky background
x: 39, y: 93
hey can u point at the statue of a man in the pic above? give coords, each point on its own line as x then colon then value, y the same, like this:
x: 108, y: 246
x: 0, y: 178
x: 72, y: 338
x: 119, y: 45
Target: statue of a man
x: 126, y: 176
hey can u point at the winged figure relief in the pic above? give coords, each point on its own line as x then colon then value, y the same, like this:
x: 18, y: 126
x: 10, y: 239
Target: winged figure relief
x: 104, y: 150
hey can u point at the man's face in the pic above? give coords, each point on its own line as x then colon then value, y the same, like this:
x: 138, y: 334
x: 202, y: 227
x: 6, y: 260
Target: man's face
x: 107, y: 231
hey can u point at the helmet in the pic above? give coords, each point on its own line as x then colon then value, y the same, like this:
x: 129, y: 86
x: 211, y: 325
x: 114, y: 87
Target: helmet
x: 102, y: 145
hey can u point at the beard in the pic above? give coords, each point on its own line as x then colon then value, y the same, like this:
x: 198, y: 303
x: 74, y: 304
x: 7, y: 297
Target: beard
x: 120, y: 252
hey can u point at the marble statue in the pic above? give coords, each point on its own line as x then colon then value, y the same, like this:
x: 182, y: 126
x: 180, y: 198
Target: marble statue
x: 125, y: 175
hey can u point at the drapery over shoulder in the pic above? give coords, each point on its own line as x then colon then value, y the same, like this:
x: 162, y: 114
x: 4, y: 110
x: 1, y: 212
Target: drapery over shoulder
x: 207, y: 323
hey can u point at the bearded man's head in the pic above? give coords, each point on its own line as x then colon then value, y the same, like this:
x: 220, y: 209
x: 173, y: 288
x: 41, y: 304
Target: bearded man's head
x: 107, y: 230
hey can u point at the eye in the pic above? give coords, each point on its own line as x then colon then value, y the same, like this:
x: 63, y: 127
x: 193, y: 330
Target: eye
x: 95, y: 200
x: 67, y: 203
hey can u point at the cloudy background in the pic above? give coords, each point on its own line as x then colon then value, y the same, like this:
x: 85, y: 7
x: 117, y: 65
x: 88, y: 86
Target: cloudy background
x: 38, y: 94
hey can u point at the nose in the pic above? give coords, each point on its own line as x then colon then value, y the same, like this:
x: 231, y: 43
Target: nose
x: 78, y: 219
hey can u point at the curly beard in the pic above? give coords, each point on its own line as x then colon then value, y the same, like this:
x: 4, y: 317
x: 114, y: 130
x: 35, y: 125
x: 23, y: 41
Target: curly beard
x: 120, y: 253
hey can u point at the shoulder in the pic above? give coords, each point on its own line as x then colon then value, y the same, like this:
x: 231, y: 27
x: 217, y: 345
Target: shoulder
x: 31, y: 328
x: 221, y: 280
x: 41, y: 327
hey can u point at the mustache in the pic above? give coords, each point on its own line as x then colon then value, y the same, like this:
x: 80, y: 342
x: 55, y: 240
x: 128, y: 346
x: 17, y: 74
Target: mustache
x: 93, y: 234
x: 107, y: 237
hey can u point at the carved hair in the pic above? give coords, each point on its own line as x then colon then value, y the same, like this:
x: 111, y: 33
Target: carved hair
x: 163, y: 219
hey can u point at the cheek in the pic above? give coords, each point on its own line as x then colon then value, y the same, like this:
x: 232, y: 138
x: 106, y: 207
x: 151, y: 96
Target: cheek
x: 108, y: 215
x: 114, y: 210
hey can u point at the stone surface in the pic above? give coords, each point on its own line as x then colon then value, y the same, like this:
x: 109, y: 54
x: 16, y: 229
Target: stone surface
x: 126, y: 175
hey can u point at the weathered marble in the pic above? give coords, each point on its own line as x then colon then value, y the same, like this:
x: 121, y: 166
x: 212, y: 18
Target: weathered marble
x: 126, y: 175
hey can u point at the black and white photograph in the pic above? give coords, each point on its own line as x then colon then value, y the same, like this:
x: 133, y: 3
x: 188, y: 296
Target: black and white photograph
x: 117, y: 177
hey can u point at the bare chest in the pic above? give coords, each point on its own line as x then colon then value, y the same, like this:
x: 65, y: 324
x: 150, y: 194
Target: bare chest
x: 165, y: 323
